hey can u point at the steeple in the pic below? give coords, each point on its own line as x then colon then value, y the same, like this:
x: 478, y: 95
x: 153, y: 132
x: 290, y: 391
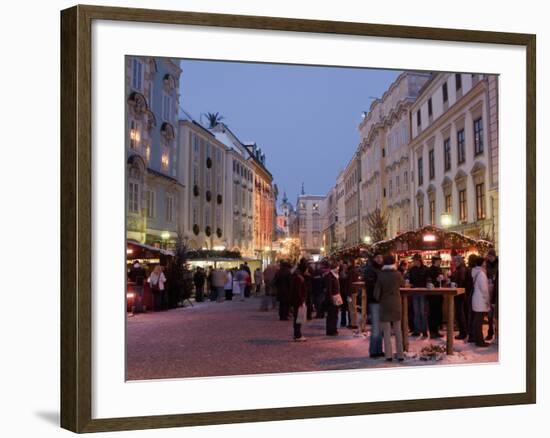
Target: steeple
x: 303, y: 190
x: 285, y: 199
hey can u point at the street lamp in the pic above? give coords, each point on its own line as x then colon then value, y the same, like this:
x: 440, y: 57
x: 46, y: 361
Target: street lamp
x: 446, y: 219
x: 165, y: 235
x: 367, y: 240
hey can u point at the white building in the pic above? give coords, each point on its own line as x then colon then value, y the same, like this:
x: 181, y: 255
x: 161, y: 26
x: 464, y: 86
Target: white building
x: 239, y: 192
x: 202, y: 166
x: 450, y: 154
x: 384, y: 152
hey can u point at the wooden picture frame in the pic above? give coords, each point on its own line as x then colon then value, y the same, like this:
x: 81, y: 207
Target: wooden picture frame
x: 76, y: 198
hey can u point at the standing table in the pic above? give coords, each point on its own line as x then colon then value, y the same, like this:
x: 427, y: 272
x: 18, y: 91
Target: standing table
x: 448, y: 293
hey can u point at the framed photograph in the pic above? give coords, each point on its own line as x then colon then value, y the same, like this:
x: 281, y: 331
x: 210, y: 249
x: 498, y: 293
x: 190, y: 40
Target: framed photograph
x: 258, y: 212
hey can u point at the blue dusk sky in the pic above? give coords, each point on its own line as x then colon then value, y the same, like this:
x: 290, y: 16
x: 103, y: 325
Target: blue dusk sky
x: 304, y: 118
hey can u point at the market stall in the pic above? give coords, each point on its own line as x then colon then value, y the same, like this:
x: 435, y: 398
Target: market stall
x: 140, y: 259
x: 430, y: 241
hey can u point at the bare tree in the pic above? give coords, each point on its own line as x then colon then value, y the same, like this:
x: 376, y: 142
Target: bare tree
x: 377, y: 223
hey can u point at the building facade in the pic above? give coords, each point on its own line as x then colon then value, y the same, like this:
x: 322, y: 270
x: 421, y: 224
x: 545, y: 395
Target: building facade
x: 264, y: 203
x: 154, y: 190
x: 240, y: 179
x: 352, y: 201
x: 384, y: 152
x: 451, y: 154
x: 202, y: 169
x: 309, y: 210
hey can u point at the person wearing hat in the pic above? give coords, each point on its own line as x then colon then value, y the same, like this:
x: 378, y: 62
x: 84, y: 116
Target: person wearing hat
x: 435, y: 302
x: 370, y: 275
x: 418, y: 275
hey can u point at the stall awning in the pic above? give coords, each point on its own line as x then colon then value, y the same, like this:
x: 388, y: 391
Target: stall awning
x: 137, y: 250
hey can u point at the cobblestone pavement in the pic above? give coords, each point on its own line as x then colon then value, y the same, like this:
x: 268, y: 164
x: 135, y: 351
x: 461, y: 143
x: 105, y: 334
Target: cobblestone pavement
x: 235, y: 338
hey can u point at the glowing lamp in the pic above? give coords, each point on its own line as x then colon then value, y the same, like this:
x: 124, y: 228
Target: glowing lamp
x: 367, y: 239
x: 165, y: 235
x: 446, y: 220
x: 429, y: 238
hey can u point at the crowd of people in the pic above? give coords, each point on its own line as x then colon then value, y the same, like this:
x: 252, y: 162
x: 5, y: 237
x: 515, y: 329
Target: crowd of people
x: 330, y: 289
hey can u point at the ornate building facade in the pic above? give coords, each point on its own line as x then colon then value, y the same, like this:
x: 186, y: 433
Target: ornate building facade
x: 154, y: 192
x: 384, y: 152
x: 452, y: 154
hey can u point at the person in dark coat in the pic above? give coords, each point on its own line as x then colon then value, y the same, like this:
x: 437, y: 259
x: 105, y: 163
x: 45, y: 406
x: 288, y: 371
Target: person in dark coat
x: 469, y: 290
x: 418, y: 275
x: 318, y: 292
x: 492, y: 275
x: 386, y: 291
x: 353, y: 277
x: 199, y: 279
x: 306, y: 273
x: 282, y: 284
x: 298, y: 298
x: 435, y: 302
x: 332, y: 288
x: 373, y: 305
x: 459, y: 277
x: 344, y: 292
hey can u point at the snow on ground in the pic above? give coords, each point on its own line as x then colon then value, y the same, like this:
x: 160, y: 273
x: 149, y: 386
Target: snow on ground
x: 235, y: 338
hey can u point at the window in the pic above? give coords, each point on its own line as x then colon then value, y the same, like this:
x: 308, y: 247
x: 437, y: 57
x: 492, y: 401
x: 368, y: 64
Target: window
x: 165, y: 161
x: 480, y: 201
x: 447, y: 154
x: 421, y: 215
x: 137, y: 74
x: 462, y: 205
x: 384, y: 194
x: 448, y: 204
x: 169, y: 209
x: 458, y: 81
x: 150, y: 204
x: 406, y: 179
x: 391, y: 188
x: 445, y: 93
x: 397, y: 184
x: 133, y: 197
x: 195, y: 215
x: 315, y: 222
x: 420, y: 171
x: 383, y: 152
x: 430, y: 108
x: 134, y: 134
x: 431, y: 163
x: 432, y: 211
x: 418, y: 118
x: 478, y: 136
x: 460, y: 146
x: 315, y: 207
x: 166, y: 107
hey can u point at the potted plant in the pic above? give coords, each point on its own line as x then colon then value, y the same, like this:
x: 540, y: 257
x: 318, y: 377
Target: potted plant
x: 208, y: 230
x: 196, y: 190
x: 219, y: 233
x: 219, y: 199
x: 196, y: 229
x: 208, y: 195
